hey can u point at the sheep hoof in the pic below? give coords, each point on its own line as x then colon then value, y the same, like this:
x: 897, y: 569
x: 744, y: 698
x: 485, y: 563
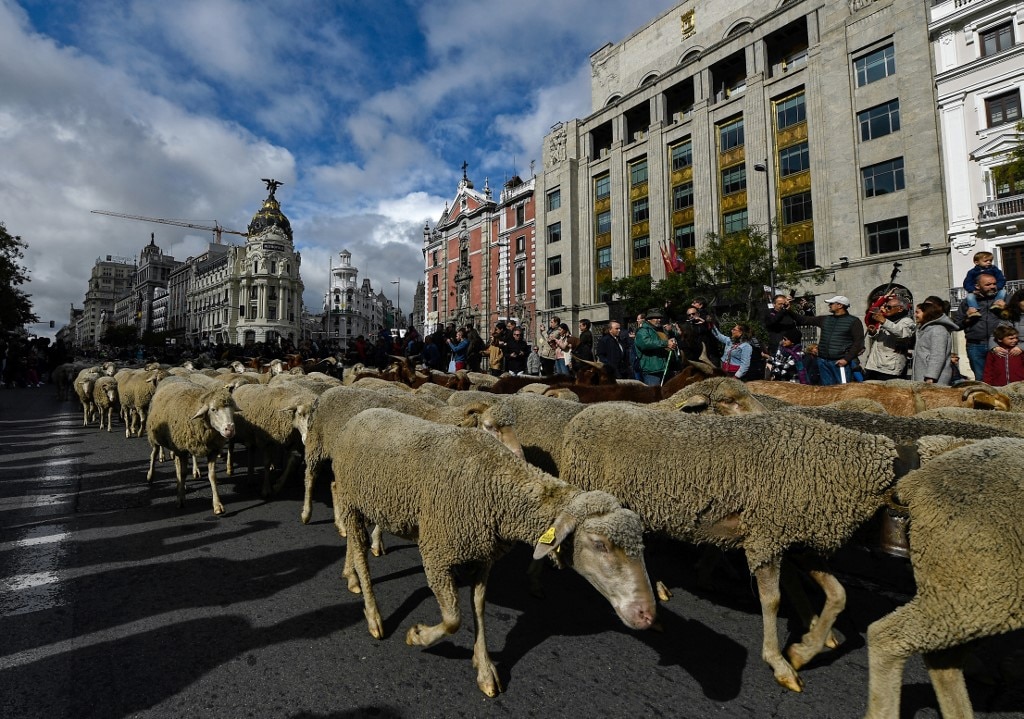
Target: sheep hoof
x: 353, y: 585
x: 218, y: 509
x: 305, y: 516
x: 378, y: 551
x: 663, y: 593
x: 832, y: 641
x: 487, y: 680
x: 791, y: 682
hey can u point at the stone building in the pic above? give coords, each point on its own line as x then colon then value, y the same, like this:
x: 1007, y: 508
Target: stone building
x: 352, y: 309
x: 479, y: 257
x: 979, y: 62
x: 719, y: 115
x: 110, y: 279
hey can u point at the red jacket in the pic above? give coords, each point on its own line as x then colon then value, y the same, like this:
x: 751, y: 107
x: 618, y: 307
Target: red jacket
x: 1001, y: 370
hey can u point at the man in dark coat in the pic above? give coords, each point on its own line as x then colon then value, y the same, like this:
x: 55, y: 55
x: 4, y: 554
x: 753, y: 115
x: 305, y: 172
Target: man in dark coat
x: 585, y: 349
x: 612, y: 352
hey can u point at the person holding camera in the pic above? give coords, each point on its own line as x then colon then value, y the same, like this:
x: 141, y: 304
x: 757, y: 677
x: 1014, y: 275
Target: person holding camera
x: 778, y: 320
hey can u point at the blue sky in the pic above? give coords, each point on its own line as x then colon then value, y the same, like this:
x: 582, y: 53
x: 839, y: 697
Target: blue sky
x: 365, y: 110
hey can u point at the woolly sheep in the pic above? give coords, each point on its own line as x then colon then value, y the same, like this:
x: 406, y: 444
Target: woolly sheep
x: 767, y: 486
x: 104, y: 396
x: 434, y: 390
x: 1007, y: 422
x: 468, y: 512
x: 718, y: 395
x: 908, y: 430
x: 967, y: 551
x: 339, y: 404
x: 83, y: 385
x: 314, y: 385
x: 136, y: 397
x: 273, y: 418
x: 899, y: 397
x: 63, y: 378
x: 188, y: 419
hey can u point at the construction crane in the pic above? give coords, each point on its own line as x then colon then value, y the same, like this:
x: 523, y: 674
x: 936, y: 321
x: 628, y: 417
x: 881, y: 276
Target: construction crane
x: 216, y: 229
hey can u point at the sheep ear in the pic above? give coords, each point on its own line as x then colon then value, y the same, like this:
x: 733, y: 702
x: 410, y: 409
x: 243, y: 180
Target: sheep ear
x: 564, y: 525
x: 201, y: 413
x: 695, y: 404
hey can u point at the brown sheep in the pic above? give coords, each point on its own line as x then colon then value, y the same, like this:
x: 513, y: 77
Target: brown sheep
x: 898, y: 398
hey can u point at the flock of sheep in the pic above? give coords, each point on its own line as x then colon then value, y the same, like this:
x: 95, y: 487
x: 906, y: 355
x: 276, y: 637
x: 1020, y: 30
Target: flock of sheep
x: 767, y: 468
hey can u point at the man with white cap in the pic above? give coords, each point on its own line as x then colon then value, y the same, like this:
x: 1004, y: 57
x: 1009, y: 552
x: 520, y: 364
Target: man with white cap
x: 842, y: 339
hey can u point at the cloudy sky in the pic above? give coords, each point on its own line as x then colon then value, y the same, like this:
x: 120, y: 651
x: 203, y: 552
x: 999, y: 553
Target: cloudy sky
x: 364, y: 110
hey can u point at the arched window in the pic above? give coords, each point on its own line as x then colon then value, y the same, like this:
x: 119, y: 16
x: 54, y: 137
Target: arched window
x: 612, y: 100
x: 649, y: 79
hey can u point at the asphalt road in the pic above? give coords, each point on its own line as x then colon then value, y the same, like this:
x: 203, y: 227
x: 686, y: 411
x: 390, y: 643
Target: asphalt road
x: 115, y: 603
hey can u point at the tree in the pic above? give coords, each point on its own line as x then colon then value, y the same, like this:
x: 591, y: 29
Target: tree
x: 731, y: 271
x: 15, y: 306
x: 1011, y: 174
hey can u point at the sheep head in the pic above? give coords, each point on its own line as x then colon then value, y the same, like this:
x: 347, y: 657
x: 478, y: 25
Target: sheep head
x: 219, y: 410
x: 982, y: 396
x: 720, y: 395
x: 487, y: 418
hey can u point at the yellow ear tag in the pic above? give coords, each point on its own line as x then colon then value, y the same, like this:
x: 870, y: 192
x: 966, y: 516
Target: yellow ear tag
x: 548, y: 537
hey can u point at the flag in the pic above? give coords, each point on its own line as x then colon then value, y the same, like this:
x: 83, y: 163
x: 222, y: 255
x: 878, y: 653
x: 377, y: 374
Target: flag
x: 678, y: 263
x: 665, y: 259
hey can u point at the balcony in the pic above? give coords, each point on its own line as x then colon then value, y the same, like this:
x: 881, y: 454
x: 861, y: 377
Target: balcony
x: 1002, y: 208
x: 957, y: 294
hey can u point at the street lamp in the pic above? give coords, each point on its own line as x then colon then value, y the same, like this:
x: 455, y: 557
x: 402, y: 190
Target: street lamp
x: 399, y: 283
x: 763, y: 167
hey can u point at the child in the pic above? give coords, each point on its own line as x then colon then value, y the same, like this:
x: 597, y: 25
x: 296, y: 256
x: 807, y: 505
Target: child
x: 1004, y: 363
x: 983, y: 264
x: 787, y: 364
x: 811, y: 365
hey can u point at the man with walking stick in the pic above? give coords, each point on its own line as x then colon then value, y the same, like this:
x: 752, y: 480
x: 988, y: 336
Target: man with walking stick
x: 655, y: 349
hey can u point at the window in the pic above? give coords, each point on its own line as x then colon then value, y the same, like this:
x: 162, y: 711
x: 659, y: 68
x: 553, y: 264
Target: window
x: 602, y: 187
x: 433, y: 281
x: 730, y: 135
x: 554, y: 298
x: 555, y: 265
x: 888, y: 236
x: 734, y: 221
x: 433, y: 303
x: 685, y: 237
x: 520, y: 215
x: 791, y: 111
x: 641, y: 248
x: 604, y: 222
x: 883, y: 178
x: 996, y: 39
x: 604, y: 258
x: 796, y: 208
x: 734, y: 179
x: 520, y: 279
x: 1002, y: 109
x: 638, y: 172
x: 682, y: 155
x: 433, y: 256
x: 520, y: 244
x: 640, y: 210
x: 555, y: 232
x: 682, y: 196
x: 876, y: 65
x: 879, y: 121
x: 273, y: 268
x: 794, y: 159
x: 554, y: 200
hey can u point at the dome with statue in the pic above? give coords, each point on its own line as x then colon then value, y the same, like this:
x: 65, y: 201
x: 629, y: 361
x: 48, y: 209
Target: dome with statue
x: 270, y: 214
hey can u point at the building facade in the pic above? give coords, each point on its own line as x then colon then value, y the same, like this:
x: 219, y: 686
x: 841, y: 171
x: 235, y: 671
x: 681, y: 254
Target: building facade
x: 979, y: 73
x: 111, y: 279
x: 479, y: 258
x: 352, y: 308
x: 719, y: 115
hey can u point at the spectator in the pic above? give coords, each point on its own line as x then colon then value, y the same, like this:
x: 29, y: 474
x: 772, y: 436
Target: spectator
x: 612, y: 353
x: 811, y: 363
x: 533, y: 363
x: 1014, y: 312
x: 493, y: 351
x: 979, y: 326
x: 712, y: 349
x: 841, y: 341
x: 564, y: 345
x: 983, y: 264
x: 431, y: 355
x: 459, y: 348
x: 654, y: 349
x: 516, y: 351
x: 546, y: 346
x: 934, y: 345
x: 585, y: 343
x: 787, y: 363
x: 1005, y: 361
x: 887, y: 344
x: 476, y: 345
x: 778, y: 319
x: 736, y: 352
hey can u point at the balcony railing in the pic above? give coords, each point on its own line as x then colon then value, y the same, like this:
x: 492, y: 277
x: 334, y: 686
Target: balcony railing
x: 1001, y: 208
x: 957, y: 294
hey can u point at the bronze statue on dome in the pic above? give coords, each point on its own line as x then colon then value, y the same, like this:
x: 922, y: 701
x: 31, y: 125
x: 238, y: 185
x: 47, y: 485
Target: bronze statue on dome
x: 272, y: 185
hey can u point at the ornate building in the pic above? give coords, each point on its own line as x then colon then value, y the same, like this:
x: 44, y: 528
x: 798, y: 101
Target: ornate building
x: 110, y: 280
x: 352, y: 309
x: 717, y: 115
x: 479, y: 257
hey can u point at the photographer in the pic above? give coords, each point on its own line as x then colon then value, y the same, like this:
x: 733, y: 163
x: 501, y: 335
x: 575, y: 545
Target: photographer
x: 779, y: 319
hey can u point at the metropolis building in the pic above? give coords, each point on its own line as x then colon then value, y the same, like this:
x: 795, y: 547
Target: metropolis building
x: 818, y: 116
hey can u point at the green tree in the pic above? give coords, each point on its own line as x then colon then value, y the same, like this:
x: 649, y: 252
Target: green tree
x: 1012, y: 173
x: 15, y: 305
x: 731, y: 271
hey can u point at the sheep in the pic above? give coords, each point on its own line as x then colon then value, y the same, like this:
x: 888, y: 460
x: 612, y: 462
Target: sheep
x: 955, y: 421
x: 188, y: 419
x: 468, y: 512
x: 104, y: 396
x: 768, y: 486
x: 967, y: 551
x: 63, y: 378
x: 136, y: 397
x: 899, y: 397
x: 314, y: 385
x: 273, y: 417
x: 338, y: 404
x: 83, y: 385
x: 433, y: 390
x: 718, y: 395
x: 1002, y: 423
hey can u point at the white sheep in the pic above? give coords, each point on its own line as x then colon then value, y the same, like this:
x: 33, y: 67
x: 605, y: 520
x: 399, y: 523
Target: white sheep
x: 749, y: 482
x: 136, y: 396
x: 274, y: 418
x: 83, y: 385
x: 468, y: 512
x: 339, y: 404
x: 105, y: 398
x: 967, y: 551
x: 187, y: 419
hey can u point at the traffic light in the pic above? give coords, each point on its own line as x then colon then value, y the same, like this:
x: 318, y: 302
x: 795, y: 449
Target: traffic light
x: 51, y: 324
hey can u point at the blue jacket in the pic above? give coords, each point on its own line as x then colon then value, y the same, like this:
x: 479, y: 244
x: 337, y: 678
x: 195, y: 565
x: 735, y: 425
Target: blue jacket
x: 736, y: 355
x: 971, y: 280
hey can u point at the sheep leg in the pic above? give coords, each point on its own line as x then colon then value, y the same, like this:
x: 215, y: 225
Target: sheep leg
x: 486, y: 673
x: 179, y: 473
x: 377, y: 544
x: 152, y: 461
x: 768, y: 590
x: 195, y: 468
x: 355, y: 550
x: 442, y: 584
x: 819, y: 631
x: 307, y: 501
x: 946, y: 671
x: 211, y: 468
